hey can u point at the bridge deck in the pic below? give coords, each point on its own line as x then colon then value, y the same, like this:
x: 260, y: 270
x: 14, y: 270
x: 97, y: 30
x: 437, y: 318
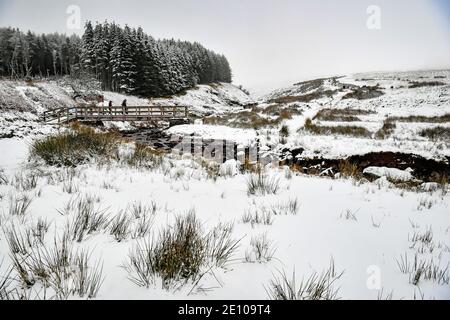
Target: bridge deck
x: 91, y: 114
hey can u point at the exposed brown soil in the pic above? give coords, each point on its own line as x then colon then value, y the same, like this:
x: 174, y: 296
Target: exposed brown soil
x: 427, y: 170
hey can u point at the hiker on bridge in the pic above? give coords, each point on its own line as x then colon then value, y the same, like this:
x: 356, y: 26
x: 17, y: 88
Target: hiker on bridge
x: 124, y: 106
x: 110, y: 105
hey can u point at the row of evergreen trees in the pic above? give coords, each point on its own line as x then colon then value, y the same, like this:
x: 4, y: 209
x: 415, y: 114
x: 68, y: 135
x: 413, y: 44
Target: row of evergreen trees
x: 30, y: 55
x: 122, y: 59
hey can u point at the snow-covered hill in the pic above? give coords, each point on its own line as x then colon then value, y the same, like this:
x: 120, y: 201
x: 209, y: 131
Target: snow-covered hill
x: 403, y: 104
x: 210, y: 99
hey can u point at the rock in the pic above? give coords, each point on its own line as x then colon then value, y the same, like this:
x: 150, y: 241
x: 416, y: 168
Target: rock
x: 392, y: 174
x: 327, y: 172
x: 383, y: 182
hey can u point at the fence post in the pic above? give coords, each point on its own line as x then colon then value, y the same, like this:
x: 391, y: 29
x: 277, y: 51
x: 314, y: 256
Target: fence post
x: 258, y: 148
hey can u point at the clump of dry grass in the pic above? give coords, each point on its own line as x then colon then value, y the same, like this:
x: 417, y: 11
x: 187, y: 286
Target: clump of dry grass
x: 423, y: 119
x: 261, y: 250
x: 180, y: 253
x: 256, y: 117
x: 387, y: 129
x: 308, y: 97
x: 438, y: 133
x: 315, y: 287
x: 344, y: 115
x: 290, y: 207
x: 86, y: 219
x: 145, y: 157
x: 420, y: 84
x: 75, y: 147
x: 284, y: 131
x: 419, y: 270
x: 349, y: 170
x: 260, y: 184
x: 19, y: 205
x: 66, y: 271
x: 26, y: 181
x: 120, y: 226
x: 257, y: 217
x: 364, y: 93
x: 338, y: 130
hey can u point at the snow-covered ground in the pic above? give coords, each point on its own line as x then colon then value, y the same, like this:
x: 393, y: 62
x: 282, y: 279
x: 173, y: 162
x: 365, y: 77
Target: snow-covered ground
x: 210, y: 99
x: 365, y: 229
x: 389, y: 242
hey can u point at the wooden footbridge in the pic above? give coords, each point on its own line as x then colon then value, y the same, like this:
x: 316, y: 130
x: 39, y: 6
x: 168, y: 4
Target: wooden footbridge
x: 105, y: 114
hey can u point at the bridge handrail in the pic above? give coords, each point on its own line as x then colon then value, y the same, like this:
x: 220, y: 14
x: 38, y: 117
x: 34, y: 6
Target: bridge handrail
x: 86, y: 111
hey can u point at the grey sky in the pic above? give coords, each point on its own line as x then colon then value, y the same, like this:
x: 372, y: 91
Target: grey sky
x: 271, y: 43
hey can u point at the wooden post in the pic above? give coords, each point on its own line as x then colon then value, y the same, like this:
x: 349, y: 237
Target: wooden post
x: 247, y: 155
x: 258, y: 146
x: 224, y: 151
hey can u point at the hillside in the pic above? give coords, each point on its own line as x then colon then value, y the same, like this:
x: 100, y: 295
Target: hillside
x: 22, y: 103
x: 340, y: 117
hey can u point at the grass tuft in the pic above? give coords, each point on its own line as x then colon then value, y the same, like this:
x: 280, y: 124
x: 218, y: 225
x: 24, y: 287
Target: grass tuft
x: 261, y: 251
x: 437, y: 133
x: 260, y: 184
x: 86, y: 218
x: 315, y: 287
x: 120, y: 226
x: 75, y: 147
x: 180, y: 253
x: 18, y: 206
x: 338, y: 130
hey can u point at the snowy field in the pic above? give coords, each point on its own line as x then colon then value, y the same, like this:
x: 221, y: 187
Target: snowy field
x: 365, y: 229
x: 359, y: 239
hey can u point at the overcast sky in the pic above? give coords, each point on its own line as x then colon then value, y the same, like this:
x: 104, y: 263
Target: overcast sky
x: 272, y: 43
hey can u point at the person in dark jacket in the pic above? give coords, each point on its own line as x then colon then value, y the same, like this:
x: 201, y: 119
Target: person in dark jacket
x: 110, y: 105
x: 124, y: 106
